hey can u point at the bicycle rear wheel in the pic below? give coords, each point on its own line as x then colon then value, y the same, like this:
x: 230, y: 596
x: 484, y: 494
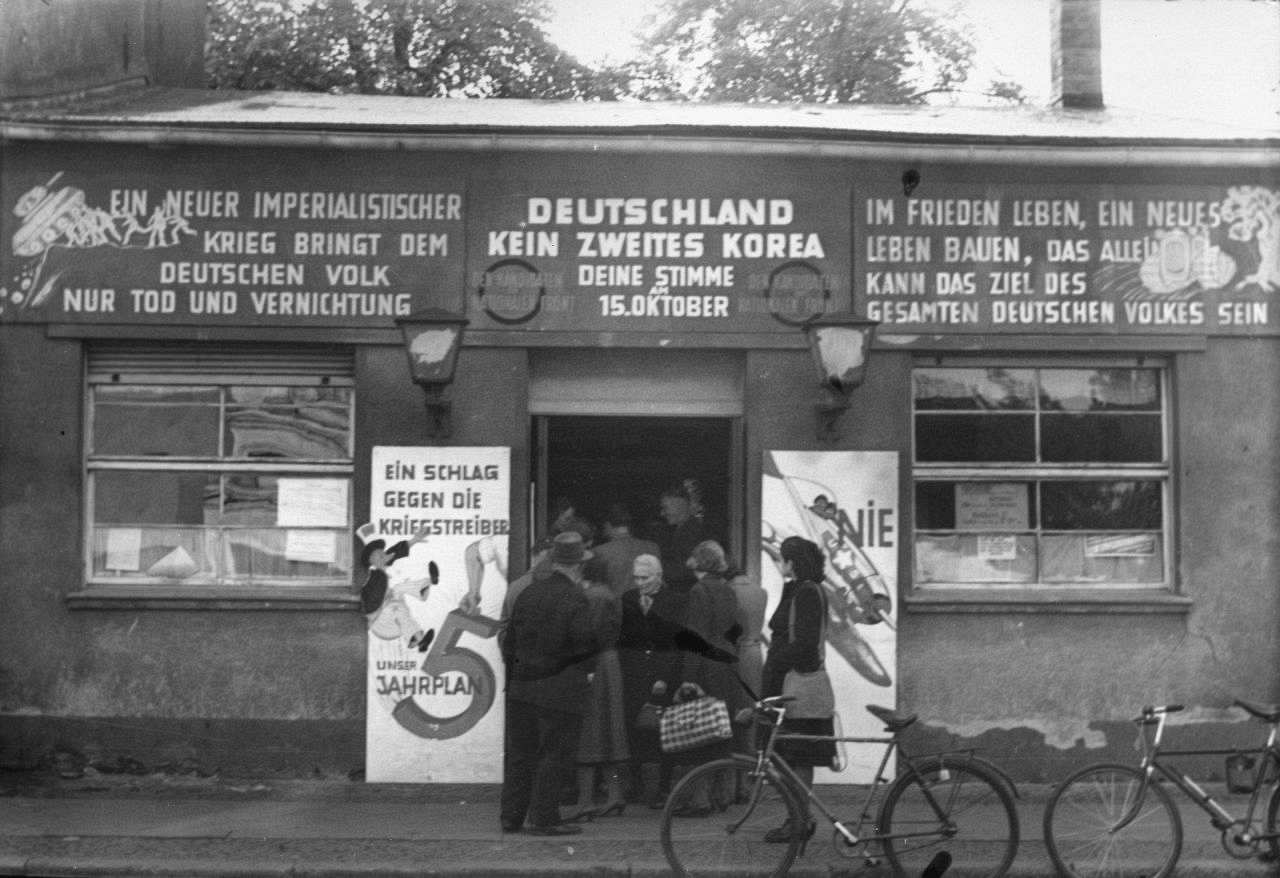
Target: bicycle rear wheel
x: 716, y: 818
x: 1081, y: 812
x: 953, y: 804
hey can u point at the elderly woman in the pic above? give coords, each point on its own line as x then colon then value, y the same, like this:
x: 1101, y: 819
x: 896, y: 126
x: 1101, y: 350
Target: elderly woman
x: 652, y: 617
x: 796, y: 642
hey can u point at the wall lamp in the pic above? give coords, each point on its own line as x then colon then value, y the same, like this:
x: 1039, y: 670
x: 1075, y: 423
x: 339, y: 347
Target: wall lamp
x: 432, y: 338
x: 841, y: 344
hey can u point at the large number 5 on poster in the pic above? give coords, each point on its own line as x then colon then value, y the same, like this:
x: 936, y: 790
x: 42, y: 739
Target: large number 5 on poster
x: 445, y: 656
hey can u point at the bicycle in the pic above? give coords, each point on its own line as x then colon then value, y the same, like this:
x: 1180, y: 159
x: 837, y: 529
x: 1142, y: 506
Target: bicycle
x: 1117, y: 820
x: 936, y: 800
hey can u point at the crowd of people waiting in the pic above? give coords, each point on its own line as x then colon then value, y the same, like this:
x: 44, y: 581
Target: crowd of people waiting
x: 605, y: 629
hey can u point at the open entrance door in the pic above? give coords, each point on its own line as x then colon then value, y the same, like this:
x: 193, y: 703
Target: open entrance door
x: 594, y: 462
x: 620, y: 425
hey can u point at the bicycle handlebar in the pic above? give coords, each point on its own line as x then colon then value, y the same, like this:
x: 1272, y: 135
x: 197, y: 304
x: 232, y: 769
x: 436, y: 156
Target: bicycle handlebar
x: 1151, y: 713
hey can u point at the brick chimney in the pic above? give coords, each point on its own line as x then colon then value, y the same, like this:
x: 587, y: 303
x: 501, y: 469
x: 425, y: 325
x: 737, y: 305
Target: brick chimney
x: 1075, y: 33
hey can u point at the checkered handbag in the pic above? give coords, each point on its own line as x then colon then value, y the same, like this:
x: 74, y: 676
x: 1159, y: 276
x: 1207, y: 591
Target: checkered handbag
x: 695, y: 723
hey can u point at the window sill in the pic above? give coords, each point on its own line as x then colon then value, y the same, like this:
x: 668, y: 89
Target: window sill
x: 151, y: 597
x: 1073, y: 600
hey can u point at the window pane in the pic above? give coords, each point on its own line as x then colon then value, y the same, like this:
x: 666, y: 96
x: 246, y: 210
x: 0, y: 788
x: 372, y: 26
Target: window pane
x: 148, y: 497
x: 250, y: 500
x: 1101, y: 505
x: 986, y: 506
x: 1101, y: 439
x: 260, y: 554
x: 1096, y: 390
x: 974, y: 558
x: 972, y: 438
x: 935, y: 505
x: 164, y: 554
x: 155, y: 420
x: 1103, y: 558
x: 311, y: 423
x: 974, y: 389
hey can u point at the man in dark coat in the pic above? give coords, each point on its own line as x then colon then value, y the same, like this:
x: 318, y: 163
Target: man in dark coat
x: 548, y: 636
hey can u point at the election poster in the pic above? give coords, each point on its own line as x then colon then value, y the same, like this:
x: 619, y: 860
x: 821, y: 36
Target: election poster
x: 847, y: 503
x: 435, y: 551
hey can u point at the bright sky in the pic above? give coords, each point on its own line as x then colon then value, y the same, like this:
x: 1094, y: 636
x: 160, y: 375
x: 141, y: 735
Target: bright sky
x: 1212, y: 59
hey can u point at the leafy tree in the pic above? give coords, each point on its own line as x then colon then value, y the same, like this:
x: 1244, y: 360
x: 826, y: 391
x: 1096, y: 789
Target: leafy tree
x: 824, y: 51
x: 434, y: 48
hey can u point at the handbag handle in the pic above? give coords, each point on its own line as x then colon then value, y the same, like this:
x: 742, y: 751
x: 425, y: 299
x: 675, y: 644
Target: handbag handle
x: 822, y: 626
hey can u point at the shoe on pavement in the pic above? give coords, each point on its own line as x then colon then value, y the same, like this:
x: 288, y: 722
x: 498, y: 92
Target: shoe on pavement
x: 555, y: 829
x: 510, y: 826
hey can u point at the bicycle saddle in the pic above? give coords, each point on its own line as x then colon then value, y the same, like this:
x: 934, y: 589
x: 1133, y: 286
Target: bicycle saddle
x: 1268, y: 712
x: 893, y: 721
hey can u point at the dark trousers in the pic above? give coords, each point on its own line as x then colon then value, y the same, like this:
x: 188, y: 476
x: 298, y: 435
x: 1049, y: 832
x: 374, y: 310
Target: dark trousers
x: 540, y: 744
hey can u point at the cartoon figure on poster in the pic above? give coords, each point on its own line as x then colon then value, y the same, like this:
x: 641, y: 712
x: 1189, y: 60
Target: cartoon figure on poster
x: 857, y: 592
x: 436, y: 555
x: 389, y: 611
x: 400, y: 619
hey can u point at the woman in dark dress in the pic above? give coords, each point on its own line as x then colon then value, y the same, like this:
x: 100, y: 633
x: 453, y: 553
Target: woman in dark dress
x: 802, y: 650
x: 709, y: 659
x: 603, y: 744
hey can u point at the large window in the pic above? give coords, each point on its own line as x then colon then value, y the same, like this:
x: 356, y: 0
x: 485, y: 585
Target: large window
x: 1047, y: 476
x: 237, y: 473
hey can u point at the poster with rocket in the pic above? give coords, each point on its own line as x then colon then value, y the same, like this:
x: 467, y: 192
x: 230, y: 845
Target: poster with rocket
x: 435, y: 552
x: 847, y: 503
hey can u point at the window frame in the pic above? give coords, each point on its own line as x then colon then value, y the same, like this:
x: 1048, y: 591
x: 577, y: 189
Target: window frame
x: 242, y: 369
x: 1040, y: 593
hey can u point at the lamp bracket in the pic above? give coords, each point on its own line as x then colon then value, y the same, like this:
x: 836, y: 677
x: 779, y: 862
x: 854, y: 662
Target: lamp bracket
x: 829, y: 412
x: 439, y: 411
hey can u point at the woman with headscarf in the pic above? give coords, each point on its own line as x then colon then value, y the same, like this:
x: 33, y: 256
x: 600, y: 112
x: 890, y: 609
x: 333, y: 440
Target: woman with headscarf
x: 796, y: 643
x: 652, y: 617
x: 603, y: 744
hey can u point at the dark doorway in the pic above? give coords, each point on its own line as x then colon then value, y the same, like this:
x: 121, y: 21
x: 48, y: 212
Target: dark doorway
x: 597, y: 461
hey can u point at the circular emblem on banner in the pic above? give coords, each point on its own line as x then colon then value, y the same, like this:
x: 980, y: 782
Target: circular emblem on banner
x: 511, y: 291
x: 797, y: 293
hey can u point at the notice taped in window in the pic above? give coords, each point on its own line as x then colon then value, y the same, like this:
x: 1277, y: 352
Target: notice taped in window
x: 991, y: 506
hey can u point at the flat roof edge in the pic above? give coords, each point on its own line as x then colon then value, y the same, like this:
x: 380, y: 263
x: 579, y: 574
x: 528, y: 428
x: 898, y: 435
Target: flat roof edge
x: 677, y: 140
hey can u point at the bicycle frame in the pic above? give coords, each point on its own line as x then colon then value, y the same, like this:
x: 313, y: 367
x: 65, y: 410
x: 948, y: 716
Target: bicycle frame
x: 1219, y: 817
x: 768, y: 755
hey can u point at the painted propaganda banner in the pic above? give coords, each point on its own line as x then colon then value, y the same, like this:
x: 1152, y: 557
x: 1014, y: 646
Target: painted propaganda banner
x: 1070, y: 259
x: 224, y: 241
x: 665, y: 255
x: 847, y: 503
x: 436, y: 551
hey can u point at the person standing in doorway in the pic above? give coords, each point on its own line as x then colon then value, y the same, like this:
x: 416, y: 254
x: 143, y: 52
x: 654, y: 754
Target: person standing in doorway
x: 545, y: 650
x: 683, y: 527
x: 621, y: 549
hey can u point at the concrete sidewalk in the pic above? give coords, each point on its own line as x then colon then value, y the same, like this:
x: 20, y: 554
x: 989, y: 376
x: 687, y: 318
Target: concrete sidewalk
x: 158, y: 826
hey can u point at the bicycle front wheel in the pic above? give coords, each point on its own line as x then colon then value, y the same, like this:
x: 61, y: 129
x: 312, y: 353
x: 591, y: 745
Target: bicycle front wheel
x: 716, y: 819
x: 1080, y: 820
x: 952, y: 804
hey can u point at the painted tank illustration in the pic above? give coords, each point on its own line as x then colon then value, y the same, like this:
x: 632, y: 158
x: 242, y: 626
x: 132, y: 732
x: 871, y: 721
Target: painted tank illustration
x: 47, y: 214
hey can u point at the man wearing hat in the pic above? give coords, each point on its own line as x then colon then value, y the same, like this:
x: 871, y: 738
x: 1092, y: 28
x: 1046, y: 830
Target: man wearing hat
x: 548, y: 636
